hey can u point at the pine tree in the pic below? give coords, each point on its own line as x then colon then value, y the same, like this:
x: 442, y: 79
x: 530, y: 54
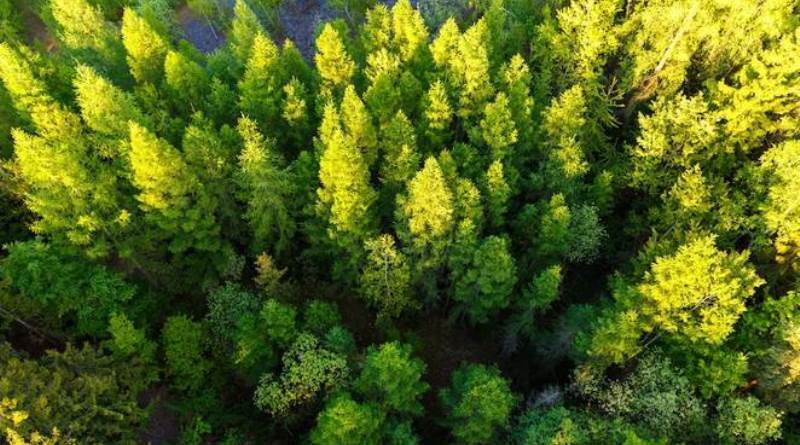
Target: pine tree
x: 516, y: 79
x: 146, y: 48
x: 386, y: 278
x: 408, y: 29
x: 392, y: 377
x: 376, y: 32
x: 336, y: 67
x: 780, y: 211
x: 260, y: 88
x: 445, y: 46
x: 105, y: 108
x: 345, y: 195
x: 357, y: 123
x: 267, y: 189
x: 344, y: 421
x: 438, y: 115
x: 758, y: 105
x: 470, y: 68
x: 427, y: 211
x: 497, y: 192
x: 183, y: 350
x: 400, y: 155
x: 244, y: 29
x: 497, y: 127
x: 478, y: 403
x: 82, y: 26
x: 187, y: 81
x: 31, y: 98
x: 170, y: 194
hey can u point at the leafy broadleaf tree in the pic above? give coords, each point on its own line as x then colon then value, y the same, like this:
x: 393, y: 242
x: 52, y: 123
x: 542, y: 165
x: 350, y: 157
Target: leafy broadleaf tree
x: 478, y: 403
x: 392, y: 378
x: 347, y: 422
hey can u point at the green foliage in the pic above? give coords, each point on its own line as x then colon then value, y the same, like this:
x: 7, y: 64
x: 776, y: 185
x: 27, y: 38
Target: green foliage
x: 226, y: 306
x: 554, y: 426
x: 184, y: 352
x: 267, y: 189
x: 259, y: 336
x: 105, y: 108
x: 170, y: 193
x: 320, y: 316
x: 486, y: 286
x: 746, y: 421
x: 347, y: 422
x: 244, y: 28
x: 386, y: 279
x: 70, y: 286
x: 335, y: 65
x: 633, y: 163
x: 87, y: 397
x: 259, y: 88
x: 699, y: 292
x: 146, y: 48
x: 308, y: 372
x: 392, y: 378
x: 672, y: 410
x: 781, y: 207
x: 478, y: 403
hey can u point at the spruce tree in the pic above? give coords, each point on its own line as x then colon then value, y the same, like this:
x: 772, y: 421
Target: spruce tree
x: 145, y: 46
x: 105, y: 108
x: 260, y: 87
x: 335, y: 65
x: 267, y: 190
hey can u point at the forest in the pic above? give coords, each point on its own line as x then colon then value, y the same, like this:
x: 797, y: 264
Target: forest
x: 363, y: 222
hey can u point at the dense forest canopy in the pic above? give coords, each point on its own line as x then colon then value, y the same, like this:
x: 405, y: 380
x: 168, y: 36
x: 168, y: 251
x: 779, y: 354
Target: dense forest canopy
x: 525, y: 222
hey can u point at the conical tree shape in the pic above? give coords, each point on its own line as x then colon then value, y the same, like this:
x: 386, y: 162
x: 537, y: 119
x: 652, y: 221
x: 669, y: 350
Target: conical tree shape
x: 146, y: 48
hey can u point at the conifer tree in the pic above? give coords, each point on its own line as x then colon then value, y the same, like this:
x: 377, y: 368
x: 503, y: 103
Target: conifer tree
x: 183, y: 350
x: 386, y: 278
x: 244, y: 28
x: 345, y: 194
x: 497, y: 126
x: 781, y: 211
x: 408, y: 29
x: 445, y: 46
x: 357, y: 122
x: 335, y: 65
x: 31, y: 98
x: 376, y: 32
x: 400, y: 155
x: 82, y: 26
x: 170, y: 194
x: 392, y: 377
x: 757, y: 105
x: 105, y: 108
x: 497, y: 192
x: 260, y: 87
x: 146, y: 48
x: 478, y: 402
x: 296, y: 111
x: 470, y: 67
x: 267, y: 190
x: 516, y: 79
x: 438, y: 114
x: 347, y: 422
x: 186, y: 79
x: 427, y: 213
